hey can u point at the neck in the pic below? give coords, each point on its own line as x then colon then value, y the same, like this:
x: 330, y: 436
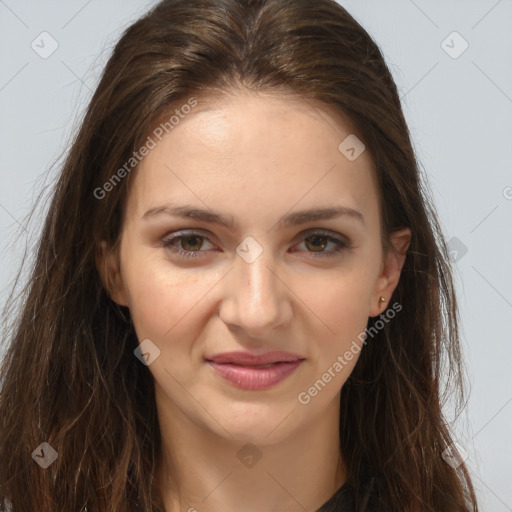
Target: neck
x: 206, y: 472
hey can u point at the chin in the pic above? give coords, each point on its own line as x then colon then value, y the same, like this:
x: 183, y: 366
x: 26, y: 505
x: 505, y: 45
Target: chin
x: 252, y: 423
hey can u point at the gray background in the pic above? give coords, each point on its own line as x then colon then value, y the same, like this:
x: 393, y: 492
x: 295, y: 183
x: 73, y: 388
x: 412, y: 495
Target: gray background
x: 460, y: 115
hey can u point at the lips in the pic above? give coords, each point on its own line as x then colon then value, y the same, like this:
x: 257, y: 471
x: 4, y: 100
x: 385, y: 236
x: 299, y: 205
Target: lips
x: 248, y: 359
x: 254, y: 372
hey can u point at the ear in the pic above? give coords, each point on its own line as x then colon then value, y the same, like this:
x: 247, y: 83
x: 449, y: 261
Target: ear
x: 108, y: 266
x: 390, y: 270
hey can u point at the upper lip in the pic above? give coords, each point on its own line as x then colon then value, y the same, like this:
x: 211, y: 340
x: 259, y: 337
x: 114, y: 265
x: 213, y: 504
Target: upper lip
x: 248, y: 359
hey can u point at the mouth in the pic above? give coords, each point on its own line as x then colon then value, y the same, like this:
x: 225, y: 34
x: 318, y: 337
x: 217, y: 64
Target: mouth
x: 255, y: 360
x: 252, y: 373
x: 255, y: 366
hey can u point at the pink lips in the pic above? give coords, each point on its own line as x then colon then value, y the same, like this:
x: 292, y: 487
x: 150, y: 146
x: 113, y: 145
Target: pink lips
x: 250, y: 372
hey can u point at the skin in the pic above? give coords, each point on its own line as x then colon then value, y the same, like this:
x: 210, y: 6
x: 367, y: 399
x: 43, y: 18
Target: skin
x: 255, y: 158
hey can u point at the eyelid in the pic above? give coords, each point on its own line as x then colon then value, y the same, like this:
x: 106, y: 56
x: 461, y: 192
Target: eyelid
x: 207, y: 234
x: 325, y: 232
x: 342, y: 242
x: 168, y: 239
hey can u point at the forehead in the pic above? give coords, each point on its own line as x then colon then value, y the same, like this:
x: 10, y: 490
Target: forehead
x: 234, y: 117
x: 258, y: 149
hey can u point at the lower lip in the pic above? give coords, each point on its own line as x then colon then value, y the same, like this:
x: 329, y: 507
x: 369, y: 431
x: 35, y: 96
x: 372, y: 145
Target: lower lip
x: 254, y: 379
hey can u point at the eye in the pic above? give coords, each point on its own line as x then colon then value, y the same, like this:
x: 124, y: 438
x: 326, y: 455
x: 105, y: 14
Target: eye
x: 317, y: 241
x: 191, y: 244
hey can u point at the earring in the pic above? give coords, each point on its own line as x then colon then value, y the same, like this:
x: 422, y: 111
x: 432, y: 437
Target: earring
x: 382, y: 299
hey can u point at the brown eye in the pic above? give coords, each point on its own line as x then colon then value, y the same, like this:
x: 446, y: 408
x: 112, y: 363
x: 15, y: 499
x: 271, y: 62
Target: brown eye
x: 188, y: 245
x: 194, y: 242
x: 317, y: 242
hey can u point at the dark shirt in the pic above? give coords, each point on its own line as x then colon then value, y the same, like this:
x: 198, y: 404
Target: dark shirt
x: 344, y: 500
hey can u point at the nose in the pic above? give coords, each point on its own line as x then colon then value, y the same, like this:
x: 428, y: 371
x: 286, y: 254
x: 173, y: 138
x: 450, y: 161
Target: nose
x: 256, y: 298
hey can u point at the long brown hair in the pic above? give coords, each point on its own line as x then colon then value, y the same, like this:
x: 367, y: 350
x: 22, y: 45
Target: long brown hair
x: 69, y: 376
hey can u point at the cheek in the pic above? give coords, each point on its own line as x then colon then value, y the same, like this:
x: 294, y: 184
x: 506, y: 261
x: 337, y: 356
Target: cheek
x: 340, y: 299
x: 162, y: 299
x: 340, y: 303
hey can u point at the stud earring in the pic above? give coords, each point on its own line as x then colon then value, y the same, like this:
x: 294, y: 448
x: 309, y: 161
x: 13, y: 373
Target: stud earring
x: 382, y: 299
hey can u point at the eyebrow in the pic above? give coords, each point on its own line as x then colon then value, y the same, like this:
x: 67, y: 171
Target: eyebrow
x: 291, y: 219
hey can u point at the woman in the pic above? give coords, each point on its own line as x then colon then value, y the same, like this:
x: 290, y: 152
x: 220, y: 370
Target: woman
x: 241, y: 297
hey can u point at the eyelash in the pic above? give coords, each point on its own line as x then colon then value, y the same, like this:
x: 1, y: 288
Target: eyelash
x: 170, y: 243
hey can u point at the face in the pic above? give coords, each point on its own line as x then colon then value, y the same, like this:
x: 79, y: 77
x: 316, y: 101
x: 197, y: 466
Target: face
x: 270, y: 279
